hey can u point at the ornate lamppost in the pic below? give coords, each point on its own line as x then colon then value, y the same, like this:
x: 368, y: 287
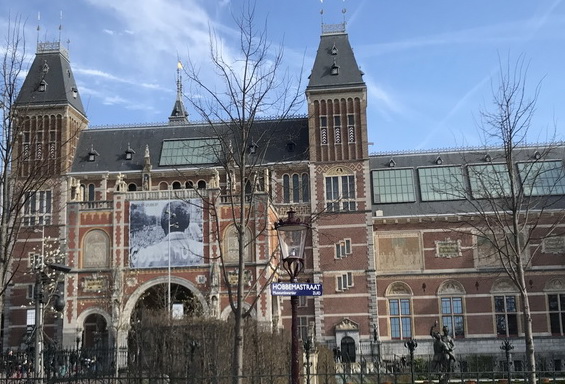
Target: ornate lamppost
x: 411, y: 345
x: 507, y: 347
x: 292, y: 237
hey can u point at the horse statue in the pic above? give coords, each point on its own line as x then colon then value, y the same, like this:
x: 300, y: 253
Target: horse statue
x: 443, y: 352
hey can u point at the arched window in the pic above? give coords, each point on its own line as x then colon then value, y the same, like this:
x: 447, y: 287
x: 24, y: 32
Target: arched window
x: 163, y: 186
x: 189, y: 184
x: 556, y: 305
x: 340, y: 190
x: 176, y: 185
x: 295, y: 188
x: 201, y: 184
x: 286, y: 188
x: 305, y: 187
x: 505, y: 307
x: 91, y: 195
x: 96, y: 250
x: 399, y: 297
x: 231, y: 245
x: 132, y: 187
x: 451, y: 299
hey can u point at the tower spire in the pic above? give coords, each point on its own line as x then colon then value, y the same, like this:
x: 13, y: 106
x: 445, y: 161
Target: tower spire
x: 179, y: 113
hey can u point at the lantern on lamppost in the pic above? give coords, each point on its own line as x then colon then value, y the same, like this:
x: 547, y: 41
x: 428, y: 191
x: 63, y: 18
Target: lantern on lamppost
x: 292, y: 237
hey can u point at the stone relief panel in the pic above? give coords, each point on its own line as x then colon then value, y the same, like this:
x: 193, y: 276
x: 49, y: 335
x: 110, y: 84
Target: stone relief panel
x: 400, y: 251
x: 554, y: 245
x: 96, y: 250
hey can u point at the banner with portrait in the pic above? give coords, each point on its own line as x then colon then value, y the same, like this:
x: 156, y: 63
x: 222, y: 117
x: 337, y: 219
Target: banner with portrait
x: 165, y: 233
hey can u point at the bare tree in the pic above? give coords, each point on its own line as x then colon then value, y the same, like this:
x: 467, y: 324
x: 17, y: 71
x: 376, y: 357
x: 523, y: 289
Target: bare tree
x: 513, y: 198
x: 255, y: 84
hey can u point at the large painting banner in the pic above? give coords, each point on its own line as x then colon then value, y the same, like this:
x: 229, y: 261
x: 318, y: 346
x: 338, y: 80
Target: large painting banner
x: 166, y: 233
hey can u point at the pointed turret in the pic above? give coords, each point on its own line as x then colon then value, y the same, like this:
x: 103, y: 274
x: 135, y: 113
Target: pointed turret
x: 337, y: 100
x: 50, y: 80
x: 335, y: 65
x: 179, y: 113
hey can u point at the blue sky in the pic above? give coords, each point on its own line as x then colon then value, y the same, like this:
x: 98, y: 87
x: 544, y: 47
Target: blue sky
x: 429, y: 65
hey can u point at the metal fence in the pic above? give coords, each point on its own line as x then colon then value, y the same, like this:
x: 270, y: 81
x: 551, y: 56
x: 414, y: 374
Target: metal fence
x: 142, y: 367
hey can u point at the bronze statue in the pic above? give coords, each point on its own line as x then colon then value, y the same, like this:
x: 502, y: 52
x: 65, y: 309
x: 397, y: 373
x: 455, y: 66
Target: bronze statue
x: 443, y: 351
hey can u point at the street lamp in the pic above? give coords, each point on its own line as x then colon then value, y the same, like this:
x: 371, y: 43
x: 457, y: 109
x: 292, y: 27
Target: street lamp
x: 411, y: 345
x: 507, y: 347
x: 292, y: 236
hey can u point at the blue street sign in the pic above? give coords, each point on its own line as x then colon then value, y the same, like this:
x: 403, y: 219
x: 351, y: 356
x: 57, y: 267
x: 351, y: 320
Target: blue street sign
x: 296, y: 289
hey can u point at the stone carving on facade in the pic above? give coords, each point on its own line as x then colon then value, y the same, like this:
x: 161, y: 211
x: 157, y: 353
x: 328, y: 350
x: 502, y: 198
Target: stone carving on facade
x: 215, y: 179
x: 448, y: 248
x: 557, y: 284
x: 398, y: 288
x: 76, y: 194
x: 96, y: 250
x: 346, y: 325
x: 451, y: 287
x: 121, y: 185
x: 504, y: 285
x: 399, y: 251
x: 554, y: 244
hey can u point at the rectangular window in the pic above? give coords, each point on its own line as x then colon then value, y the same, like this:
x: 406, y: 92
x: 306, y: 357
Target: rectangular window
x: 351, y: 128
x: 400, y: 318
x: 303, y: 327
x: 344, y: 282
x: 343, y: 248
x: 489, y: 181
x: 337, y: 129
x: 393, y: 186
x: 506, y: 316
x: 542, y: 178
x: 37, y: 208
x: 323, y: 130
x: 441, y: 183
x: 452, y: 315
x: 340, y: 193
x: 556, y: 307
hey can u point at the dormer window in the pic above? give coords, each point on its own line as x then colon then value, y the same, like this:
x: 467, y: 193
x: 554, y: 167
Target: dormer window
x: 487, y: 158
x: 392, y: 163
x: 335, y: 69
x: 334, y: 50
x: 42, y: 86
x: 439, y: 161
x: 74, y: 91
x: 45, y: 67
x: 253, y: 148
x: 92, y: 154
x: 129, y: 153
x: 537, y: 155
x: 290, y: 146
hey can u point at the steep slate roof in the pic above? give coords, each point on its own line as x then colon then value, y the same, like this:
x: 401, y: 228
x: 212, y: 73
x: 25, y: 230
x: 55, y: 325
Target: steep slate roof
x: 271, y: 136
x: 51, y: 65
x: 462, y: 157
x: 334, y: 49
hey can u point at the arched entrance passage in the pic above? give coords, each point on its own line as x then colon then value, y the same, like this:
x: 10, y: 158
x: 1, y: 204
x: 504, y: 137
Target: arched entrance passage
x: 95, y: 332
x: 347, y: 350
x: 153, y: 302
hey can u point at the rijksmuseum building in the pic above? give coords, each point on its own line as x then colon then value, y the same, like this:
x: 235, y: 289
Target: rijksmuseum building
x: 144, y: 209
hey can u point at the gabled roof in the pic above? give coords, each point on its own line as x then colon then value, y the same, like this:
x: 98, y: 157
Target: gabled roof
x: 276, y: 140
x: 335, y: 64
x: 50, y: 80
